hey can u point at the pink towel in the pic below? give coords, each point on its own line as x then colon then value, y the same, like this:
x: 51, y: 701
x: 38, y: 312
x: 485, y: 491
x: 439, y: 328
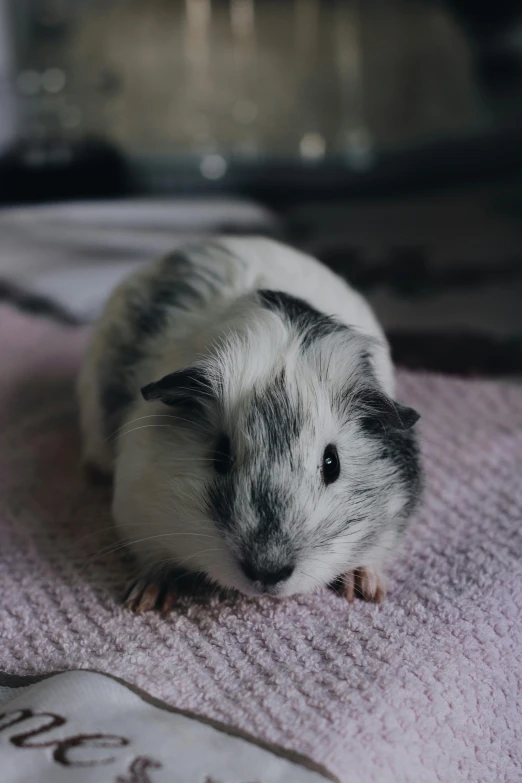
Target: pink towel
x: 425, y: 687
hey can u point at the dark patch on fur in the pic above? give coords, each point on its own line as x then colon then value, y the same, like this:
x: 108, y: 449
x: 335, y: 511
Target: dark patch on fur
x: 220, y: 501
x: 166, y: 291
x: 116, y: 392
x: 366, y: 364
x: 115, y: 397
x: 173, y: 287
x: 402, y: 449
x: 312, y: 324
x: 179, y: 265
x: 267, y: 548
x: 269, y: 506
x: 213, y: 246
x: 389, y: 424
x: 279, y: 419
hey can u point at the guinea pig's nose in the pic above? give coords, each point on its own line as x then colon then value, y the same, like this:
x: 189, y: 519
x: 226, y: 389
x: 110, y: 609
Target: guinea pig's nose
x: 267, y: 576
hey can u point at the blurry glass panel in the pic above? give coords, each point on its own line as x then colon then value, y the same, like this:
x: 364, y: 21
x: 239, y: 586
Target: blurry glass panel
x: 299, y: 78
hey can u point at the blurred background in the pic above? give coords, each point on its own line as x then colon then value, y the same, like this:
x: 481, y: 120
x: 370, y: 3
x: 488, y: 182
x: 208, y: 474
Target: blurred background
x: 384, y: 136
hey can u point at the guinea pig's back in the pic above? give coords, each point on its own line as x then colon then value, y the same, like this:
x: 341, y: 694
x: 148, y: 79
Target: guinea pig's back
x: 268, y: 264
x: 272, y: 265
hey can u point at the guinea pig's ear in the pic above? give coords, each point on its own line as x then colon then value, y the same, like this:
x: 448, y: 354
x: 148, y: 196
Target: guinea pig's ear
x: 379, y: 407
x: 188, y: 388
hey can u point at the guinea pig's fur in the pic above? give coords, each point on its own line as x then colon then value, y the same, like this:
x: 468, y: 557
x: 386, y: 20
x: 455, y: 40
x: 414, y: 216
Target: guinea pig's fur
x: 214, y: 383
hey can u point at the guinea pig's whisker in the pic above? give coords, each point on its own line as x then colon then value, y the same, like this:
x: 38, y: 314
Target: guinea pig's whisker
x: 321, y: 562
x: 185, y: 534
x: 147, y: 426
x: 179, y: 563
x: 111, y: 549
x: 200, y: 552
x: 179, y: 524
x: 155, y: 567
x: 106, y: 551
x: 152, y: 569
x: 314, y: 579
x: 189, y: 496
x: 245, y: 434
x: 191, y: 459
x: 140, y: 418
x: 188, y: 475
x: 103, y: 530
x: 337, y: 535
x: 184, y: 574
x: 184, y: 496
x: 192, y: 535
x: 194, y: 520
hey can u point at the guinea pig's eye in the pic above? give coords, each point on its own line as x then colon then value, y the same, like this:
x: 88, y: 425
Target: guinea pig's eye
x: 331, y: 465
x: 223, y: 456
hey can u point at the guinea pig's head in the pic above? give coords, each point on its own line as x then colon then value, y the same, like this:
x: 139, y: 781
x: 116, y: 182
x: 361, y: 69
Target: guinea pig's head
x: 290, y: 462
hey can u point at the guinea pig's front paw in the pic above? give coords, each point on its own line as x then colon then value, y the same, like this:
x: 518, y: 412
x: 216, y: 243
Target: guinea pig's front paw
x: 366, y: 583
x: 144, y: 595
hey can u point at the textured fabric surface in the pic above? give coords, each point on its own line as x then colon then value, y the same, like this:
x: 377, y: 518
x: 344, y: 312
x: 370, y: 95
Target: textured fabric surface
x: 425, y: 687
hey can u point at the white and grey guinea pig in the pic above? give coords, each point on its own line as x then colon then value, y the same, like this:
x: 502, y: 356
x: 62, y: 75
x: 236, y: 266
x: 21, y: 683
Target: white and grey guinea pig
x: 243, y: 397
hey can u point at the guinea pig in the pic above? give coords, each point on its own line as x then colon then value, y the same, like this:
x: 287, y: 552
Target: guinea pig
x: 242, y: 397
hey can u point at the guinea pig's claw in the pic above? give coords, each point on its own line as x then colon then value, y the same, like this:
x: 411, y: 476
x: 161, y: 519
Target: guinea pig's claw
x: 367, y: 583
x: 169, y: 601
x: 349, y: 586
x: 144, y: 596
